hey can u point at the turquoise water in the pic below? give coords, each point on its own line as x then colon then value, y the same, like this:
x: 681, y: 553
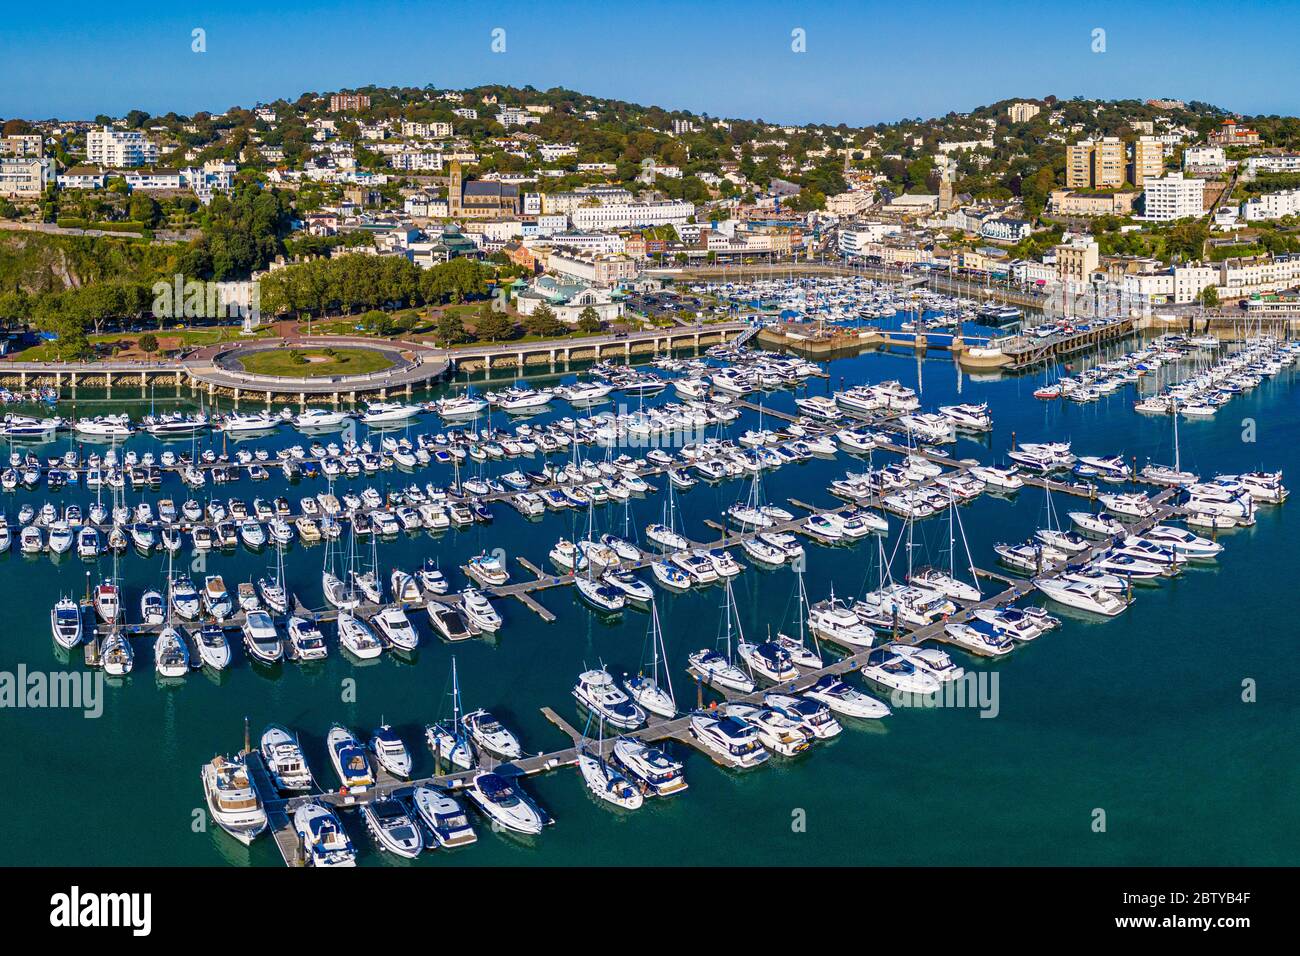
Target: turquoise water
x: 1141, y: 716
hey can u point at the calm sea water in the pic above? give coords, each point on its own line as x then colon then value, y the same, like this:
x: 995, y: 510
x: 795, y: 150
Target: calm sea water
x: 1141, y: 717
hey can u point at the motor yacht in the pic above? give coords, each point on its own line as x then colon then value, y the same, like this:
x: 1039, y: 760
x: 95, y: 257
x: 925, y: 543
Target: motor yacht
x: 777, y: 731
x: 284, y: 760
x: 657, y: 773
x: 396, y: 628
x: 232, y: 799
x: 488, y: 733
x: 356, y: 637
x: 886, y: 668
x: 390, y: 752
x: 322, y: 835
x: 350, y: 760
x: 1082, y: 595
x: 846, y: 700
x: 596, y: 691
x: 65, y: 623
x: 735, y: 740
x: 391, y: 825
x: 444, y: 817
x: 504, y: 803
x: 305, y: 638
x: 479, y: 611
x: 261, y: 639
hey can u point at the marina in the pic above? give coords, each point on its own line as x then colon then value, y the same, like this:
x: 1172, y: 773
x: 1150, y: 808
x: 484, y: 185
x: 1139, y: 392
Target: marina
x: 901, y: 475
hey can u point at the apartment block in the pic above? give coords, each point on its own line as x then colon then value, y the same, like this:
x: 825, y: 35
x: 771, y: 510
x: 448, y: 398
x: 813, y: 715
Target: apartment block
x: 1173, y: 197
x: 24, y: 177
x: 1096, y: 164
x: 1023, y: 112
x: 120, y: 149
x: 1148, y: 160
x: 349, y: 102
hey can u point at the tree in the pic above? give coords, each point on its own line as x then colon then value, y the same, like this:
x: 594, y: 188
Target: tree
x: 148, y: 343
x: 377, y: 322
x: 1209, y: 296
x: 451, y: 330
x: 588, y: 320
x: 493, y: 326
x: 543, y: 323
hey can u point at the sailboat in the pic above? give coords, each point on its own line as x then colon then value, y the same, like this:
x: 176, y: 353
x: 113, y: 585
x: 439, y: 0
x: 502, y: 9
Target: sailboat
x: 947, y: 583
x: 1163, y: 474
x: 338, y: 590
x: 719, y: 669
x: 273, y: 591
x: 646, y: 690
x: 797, y: 647
x: 665, y: 535
x: 602, y: 779
x: 449, y: 740
x: 592, y: 589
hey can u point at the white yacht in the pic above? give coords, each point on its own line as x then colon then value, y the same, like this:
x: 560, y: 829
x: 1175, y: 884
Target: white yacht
x: 356, y: 637
x: 171, y: 654
x: 1082, y: 595
x: 349, y: 759
x: 846, y: 700
x: 888, y: 669
x: 979, y: 636
x: 479, y: 610
x: 261, y: 639
x: 777, y: 731
x: 320, y: 418
x: 390, y: 752
x: 503, y: 803
x: 65, y: 623
x: 214, y: 649
x: 597, y: 691
x: 735, y: 740
x: 654, y: 770
x: 931, y: 660
x: 491, y: 735
x: 396, y: 628
x: 606, y: 782
x: 833, y: 621
x: 444, y: 817
x: 323, y: 836
x: 232, y: 799
x: 386, y: 413
x: 391, y: 825
x: 284, y: 760
x: 305, y: 638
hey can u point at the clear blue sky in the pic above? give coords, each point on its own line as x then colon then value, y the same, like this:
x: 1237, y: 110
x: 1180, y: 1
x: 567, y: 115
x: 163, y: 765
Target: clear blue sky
x: 866, y: 61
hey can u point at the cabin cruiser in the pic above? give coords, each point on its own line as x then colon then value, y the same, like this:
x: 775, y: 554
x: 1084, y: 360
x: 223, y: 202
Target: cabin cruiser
x: 385, y: 413
x: 232, y: 799
x: 931, y: 660
x: 396, y: 628
x: 326, y: 842
x: 886, y: 668
x: 237, y: 422
x: 479, y: 611
x: 734, y: 739
x: 491, y: 735
x: 768, y: 659
x: 216, y: 599
x: 832, y: 620
x: 969, y: 417
x: 305, y: 639
x: 487, y: 569
x: 1099, y: 524
x: 503, y: 803
x: 979, y: 636
x: 1005, y: 479
x: 444, y: 817
x: 932, y: 579
x: 349, y: 759
x: 606, y: 782
x: 390, y: 752
x: 1011, y: 621
x: 777, y: 731
x: 1182, y: 541
x: 657, y: 773
x: 65, y: 623
x: 284, y: 760
x: 631, y: 587
x: 666, y: 538
x: 813, y: 716
x: 597, y: 691
x: 153, y: 610
x: 845, y: 700
x: 320, y: 418
x: 1082, y: 595
x: 431, y: 578
x: 107, y: 601
x: 261, y: 638
x: 1129, y: 505
x: 392, y: 827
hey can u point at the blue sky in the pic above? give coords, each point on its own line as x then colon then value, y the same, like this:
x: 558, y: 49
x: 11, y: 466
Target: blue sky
x: 865, y: 61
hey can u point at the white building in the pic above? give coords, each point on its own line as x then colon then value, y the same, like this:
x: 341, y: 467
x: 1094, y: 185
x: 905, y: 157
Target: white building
x: 1271, y: 205
x: 632, y: 215
x: 416, y: 159
x: 1280, y: 163
x: 1173, y: 197
x: 1210, y: 159
x: 24, y: 177
x: 426, y: 130
x: 120, y: 149
x: 853, y: 241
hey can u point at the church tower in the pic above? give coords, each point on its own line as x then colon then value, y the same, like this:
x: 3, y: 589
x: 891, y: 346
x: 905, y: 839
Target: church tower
x: 455, y: 189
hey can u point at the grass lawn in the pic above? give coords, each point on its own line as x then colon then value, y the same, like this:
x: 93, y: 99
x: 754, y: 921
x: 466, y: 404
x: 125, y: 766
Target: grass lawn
x: 344, y: 361
x: 169, y: 340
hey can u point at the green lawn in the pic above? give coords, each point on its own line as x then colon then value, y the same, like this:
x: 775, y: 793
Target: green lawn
x: 344, y: 361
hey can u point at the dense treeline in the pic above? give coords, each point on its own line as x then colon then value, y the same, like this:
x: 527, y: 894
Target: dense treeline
x: 357, y: 282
